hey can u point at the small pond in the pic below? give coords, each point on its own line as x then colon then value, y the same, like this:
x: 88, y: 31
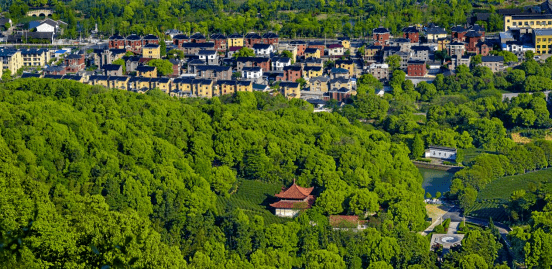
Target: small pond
x: 435, y: 180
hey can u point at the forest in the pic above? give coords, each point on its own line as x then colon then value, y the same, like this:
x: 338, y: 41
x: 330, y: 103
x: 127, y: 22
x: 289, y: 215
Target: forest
x: 289, y: 18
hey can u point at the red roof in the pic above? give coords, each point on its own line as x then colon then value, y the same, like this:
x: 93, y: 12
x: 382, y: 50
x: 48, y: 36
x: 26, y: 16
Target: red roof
x: 295, y: 192
x: 331, y: 46
x: 291, y: 204
x: 235, y: 48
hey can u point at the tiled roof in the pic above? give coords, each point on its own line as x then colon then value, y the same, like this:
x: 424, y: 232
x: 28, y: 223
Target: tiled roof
x: 380, y: 30
x: 294, y: 204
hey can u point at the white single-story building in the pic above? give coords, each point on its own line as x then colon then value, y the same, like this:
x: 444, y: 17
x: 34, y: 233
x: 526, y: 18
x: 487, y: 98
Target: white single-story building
x: 444, y: 153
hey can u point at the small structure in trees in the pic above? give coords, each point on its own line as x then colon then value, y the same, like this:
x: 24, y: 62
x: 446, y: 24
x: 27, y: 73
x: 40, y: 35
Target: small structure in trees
x: 444, y: 153
x: 342, y: 222
x: 292, y: 200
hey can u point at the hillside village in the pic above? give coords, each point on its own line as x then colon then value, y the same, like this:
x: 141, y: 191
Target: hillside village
x: 314, y: 70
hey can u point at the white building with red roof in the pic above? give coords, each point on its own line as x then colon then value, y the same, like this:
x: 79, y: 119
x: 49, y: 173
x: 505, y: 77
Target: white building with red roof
x: 292, y: 200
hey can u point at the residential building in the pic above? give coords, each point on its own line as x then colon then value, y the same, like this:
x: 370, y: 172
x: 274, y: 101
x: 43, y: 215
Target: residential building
x: 346, y: 64
x: 339, y: 95
x: 213, y: 72
x: 146, y: 71
x: 289, y: 90
x: 434, y: 33
x: 32, y: 37
x: 270, y: 38
x: 74, y: 63
x: 252, y: 73
x: 335, y: 50
x: 519, y: 48
x: 194, y: 48
x: 340, y: 82
x: 300, y: 46
x: 278, y: 63
x: 35, y: 57
x: 444, y: 153
x: 188, y: 87
x: 542, y: 40
x: 235, y: 40
x: 533, y: 21
x: 151, y: 51
x: 416, y: 68
x: 371, y: 53
x: 381, y: 36
x: 456, y: 48
x: 150, y: 39
x: 57, y: 70
x: 233, y: 86
x: 420, y: 53
x: 179, y: 40
x: 11, y: 59
x: 312, y: 53
x: 134, y: 44
x: 220, y: 42
x: 471, y: 39
x: 495, y: 63
x: 312, y: 62
x: 210, y: 57
x: 442, y: 43
x: 99, y: 80
x: 404, y: 44
x: 293, y: 200
x: 345, y: 42
x: 160, y: 83
x: 263, y: 50
x: 112, y: 70
x: 319, y: 84
x: 459, y: 60
x: 118, y: 82
x: 197, y: 38
x: 412, y: 33
x: 458, y: 33
x: 339, y: 72
x: 139, y: 84
x: 320, y: 45
x: 116, y: 42
x: 312, y: 71
x: 292, y: 73
x: 251, y: 39
x: 232, y: 51
x: 131, y: 63
x: 379, y: 71
x: 290, y: 48
x: 263, y: 62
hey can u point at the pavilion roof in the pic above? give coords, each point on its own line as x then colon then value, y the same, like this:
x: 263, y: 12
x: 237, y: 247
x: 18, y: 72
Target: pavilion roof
x: 294, y: 192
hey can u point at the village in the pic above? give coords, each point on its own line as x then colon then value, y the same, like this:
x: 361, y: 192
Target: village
x: 198, y: 65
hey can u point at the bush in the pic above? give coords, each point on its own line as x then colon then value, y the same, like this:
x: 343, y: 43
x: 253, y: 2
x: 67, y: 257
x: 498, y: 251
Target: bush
x: 449, y: 163
x: 439, y: 229
x: 424, y: 160
x: 445, y: 224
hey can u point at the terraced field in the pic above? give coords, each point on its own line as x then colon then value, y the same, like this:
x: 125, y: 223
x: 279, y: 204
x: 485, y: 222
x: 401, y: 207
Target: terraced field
x: 254, y: 198
x: 491, y: 200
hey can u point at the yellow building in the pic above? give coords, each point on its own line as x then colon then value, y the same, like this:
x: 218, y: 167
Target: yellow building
x: 35, y: 57
x: 139, y: 84
x: 542, y: 41
x: 99, y: 80
x: 346, y: 64
x: 151, y: 51
x: 235, y: 40
x: 312, y: 71
x: 312, y: 53
x: 346, y: 44
x: 232, y: 86
x: 371, y: 53
x: 161, y: 83
x: 11, y: 59
x: 442, y: 43
x: 534, y: 21
x: 290, y: 89
x: 146, y: 71
x: 285, y: 47
x: 118, y: 82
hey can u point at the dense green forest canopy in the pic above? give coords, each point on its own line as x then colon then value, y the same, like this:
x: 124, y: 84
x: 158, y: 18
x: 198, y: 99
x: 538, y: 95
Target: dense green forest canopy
x: 145, y: 170
x: 290, y: 18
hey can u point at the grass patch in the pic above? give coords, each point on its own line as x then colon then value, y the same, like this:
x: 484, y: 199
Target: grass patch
x: 491, y: 201
x: 472, y: 153
x: 253, y: 197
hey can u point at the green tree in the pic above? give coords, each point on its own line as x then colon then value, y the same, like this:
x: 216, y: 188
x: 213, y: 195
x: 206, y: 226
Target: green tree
x: 467, y: 198
x: 394, y: 62
x: 175, y: 53
x: 363, y: 201
x: 244, y: 52
x: 162, y: 46
x: 6, y: 75
x: 418, y: 147
x: 164, y: 67
x: 122, y: 63
x: 528, y: 55
x: 302, y: 82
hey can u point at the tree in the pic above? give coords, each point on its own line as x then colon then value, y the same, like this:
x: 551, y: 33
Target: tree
x: 302, y: 82
x: 363, y: 201
x: 122, y: 63
x: 438, y: 195
x: 6, y: 74
x: 162, y: 46
x: 370, y: 106
x: 394, y: 62
x: 476, y: 60
x: 164, y: 67
x: 371, y: 81
x: 244, y: 52
x: 528, y: 55
x: 175, y: 53
x: 237, y: 74
x: 467, y: 198
x: 418, y: 147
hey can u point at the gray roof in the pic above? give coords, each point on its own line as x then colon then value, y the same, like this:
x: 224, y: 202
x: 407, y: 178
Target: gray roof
x: 492, y: 59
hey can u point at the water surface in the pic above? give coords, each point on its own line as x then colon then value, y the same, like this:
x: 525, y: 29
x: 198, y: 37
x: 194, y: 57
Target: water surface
x: 435, y: 180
